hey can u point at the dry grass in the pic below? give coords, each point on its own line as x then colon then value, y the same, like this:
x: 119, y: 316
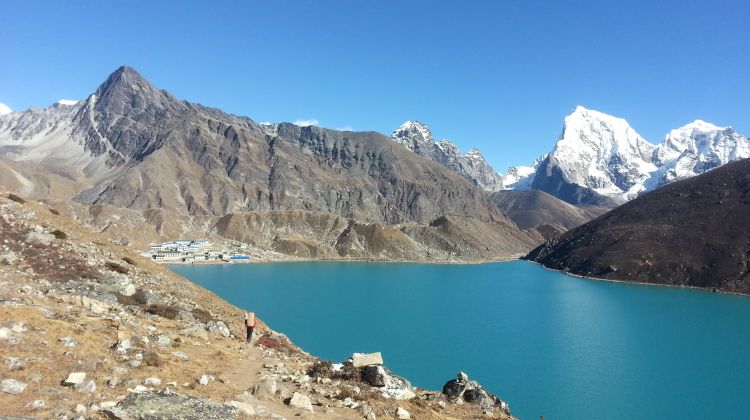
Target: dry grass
x: 57, y: 233
x: 164, y: 311
x: 202, y: 315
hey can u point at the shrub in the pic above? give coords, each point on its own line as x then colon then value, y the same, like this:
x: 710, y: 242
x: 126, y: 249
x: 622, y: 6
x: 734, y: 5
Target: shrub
x: 129, y: 260
x: 164, y: 311
x: 151, y: 358
x: 16, y: 198
x: 202, y: 315
x: 138, y: 299
x: 322, y: 369
x: 57, y: 233
x: 53, y: 211
x: 116, y: 267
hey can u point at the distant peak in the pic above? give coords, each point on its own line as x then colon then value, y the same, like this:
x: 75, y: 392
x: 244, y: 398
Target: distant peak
x: 701, y: 125
x: 123, y: 77
x: 411, y: 129
x: 66, y: 102
x: 4, y: 109
x: 474, y: 152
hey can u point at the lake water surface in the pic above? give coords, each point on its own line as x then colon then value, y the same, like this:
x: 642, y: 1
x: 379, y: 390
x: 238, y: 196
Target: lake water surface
x: 547, y: 343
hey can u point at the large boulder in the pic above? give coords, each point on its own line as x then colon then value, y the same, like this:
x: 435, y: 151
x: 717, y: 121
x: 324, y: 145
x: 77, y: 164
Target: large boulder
x: 300, y: 400
x: 366, y: 359
x: 169, y: 405
x: 374, y: 375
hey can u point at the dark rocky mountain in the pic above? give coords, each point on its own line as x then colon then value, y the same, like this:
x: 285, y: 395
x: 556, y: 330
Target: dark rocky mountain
x: 693, y: 232
x: 131, y: 145
x: 533, y: 208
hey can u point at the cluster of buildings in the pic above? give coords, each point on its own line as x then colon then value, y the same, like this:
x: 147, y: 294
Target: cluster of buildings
x: 191, y: 250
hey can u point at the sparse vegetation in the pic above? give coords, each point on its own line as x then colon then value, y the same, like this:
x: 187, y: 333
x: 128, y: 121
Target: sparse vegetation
x: 202, y: 315
x: 16, y: 198
x: 112, y: 266
x: 138, y: 299
x: 53, y: 211
x: 57, y: 233
x: 129, y: 261
x: 151, y: 358
x: 164, y: 311
x: 321, y: 369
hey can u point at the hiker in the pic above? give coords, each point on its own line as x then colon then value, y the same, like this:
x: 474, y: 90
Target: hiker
x: 249, y: 324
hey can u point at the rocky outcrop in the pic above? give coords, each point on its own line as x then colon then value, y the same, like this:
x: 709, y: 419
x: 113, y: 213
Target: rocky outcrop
x: 533, y: 208
x: 472, y: 392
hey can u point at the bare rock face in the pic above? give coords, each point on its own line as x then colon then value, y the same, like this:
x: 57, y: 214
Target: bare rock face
x: 464, y: 389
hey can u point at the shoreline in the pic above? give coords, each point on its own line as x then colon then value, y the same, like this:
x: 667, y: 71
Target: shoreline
x: 343, y: 260
x: 642, y: 283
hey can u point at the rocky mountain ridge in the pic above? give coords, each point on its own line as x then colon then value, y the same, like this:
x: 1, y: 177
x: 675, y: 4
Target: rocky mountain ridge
x: 133, y: 146
x: 692, y: 232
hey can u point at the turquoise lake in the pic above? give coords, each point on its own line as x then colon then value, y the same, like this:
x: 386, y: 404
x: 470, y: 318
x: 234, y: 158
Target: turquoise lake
x: 547, y: 343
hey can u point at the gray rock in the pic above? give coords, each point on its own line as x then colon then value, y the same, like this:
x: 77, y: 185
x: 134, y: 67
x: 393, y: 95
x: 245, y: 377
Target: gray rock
x: 75, y: 378
x: 12, y: 386
x: 160, y: 340
x: 244, y: 408
x: 300, y: 400
x: 180, y: 355
x: 218, y: 327
x: 152, y: 382
x: 152, y: 405
x: 195, y: 331
x: 462, y: 377
x: 374, y: 375
x: 462, y: 390
x: 14, y: 363
x: 265, y: 389
x: 39, y: 238
x: 205, y: 379
x: 67, y: 341
x: 87, y: 386
x: 402, y: 414
x: 368, y: 412
x: 366, y: 359
x: 36, y: 405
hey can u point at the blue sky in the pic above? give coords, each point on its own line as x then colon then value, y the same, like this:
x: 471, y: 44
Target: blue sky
x: 498, y: 75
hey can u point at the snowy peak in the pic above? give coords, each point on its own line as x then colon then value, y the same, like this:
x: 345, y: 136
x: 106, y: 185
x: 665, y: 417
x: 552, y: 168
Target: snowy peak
x: 418, y: 138
x: 66, y: 102
x: 4, y: 109
x: 412, y: 132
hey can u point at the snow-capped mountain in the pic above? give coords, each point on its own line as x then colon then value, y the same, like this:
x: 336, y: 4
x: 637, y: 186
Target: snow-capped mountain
x: 696, y: 148
x: 601, y: 160
x: 4, y: 109
x: 418, y: 138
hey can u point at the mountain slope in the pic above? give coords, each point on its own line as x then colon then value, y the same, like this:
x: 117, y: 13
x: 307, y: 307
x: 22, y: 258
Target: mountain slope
x: 133, y: 146
x: 533, y: 208
x: 692, y: 232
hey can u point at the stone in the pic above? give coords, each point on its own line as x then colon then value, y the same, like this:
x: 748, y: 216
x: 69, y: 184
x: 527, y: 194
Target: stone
x: 180, y: 355
x: 4, y: 333
x: 80, y: 409
x: 169, y: 405
x: 107, y: 404
x: 128, y: 290
x: 135, y: 363
x: 12, y: 386
x: 36, y: 404
x: 265, y: 389
x: 401, y: 413
x: 368, y: 412
x: 160, y: 340
x: 67, y: 341
x: 218, y: 327
x: 123, y: 345
x: 195, y: 331
x: 454, y: 389
x: 39, y: 238
x: 366, y: 359
x: 18, y: 328
x: 244, y: 408
x: 300, y: 400
x: 152, y: 382
x: 113, y: 382
x: 14, y: 363
x: 75, y: 378
x: 139, y: 389
x: 374, y: 375
x: 205, y: 379
x: 463, y: 377
x: 87, y: 386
